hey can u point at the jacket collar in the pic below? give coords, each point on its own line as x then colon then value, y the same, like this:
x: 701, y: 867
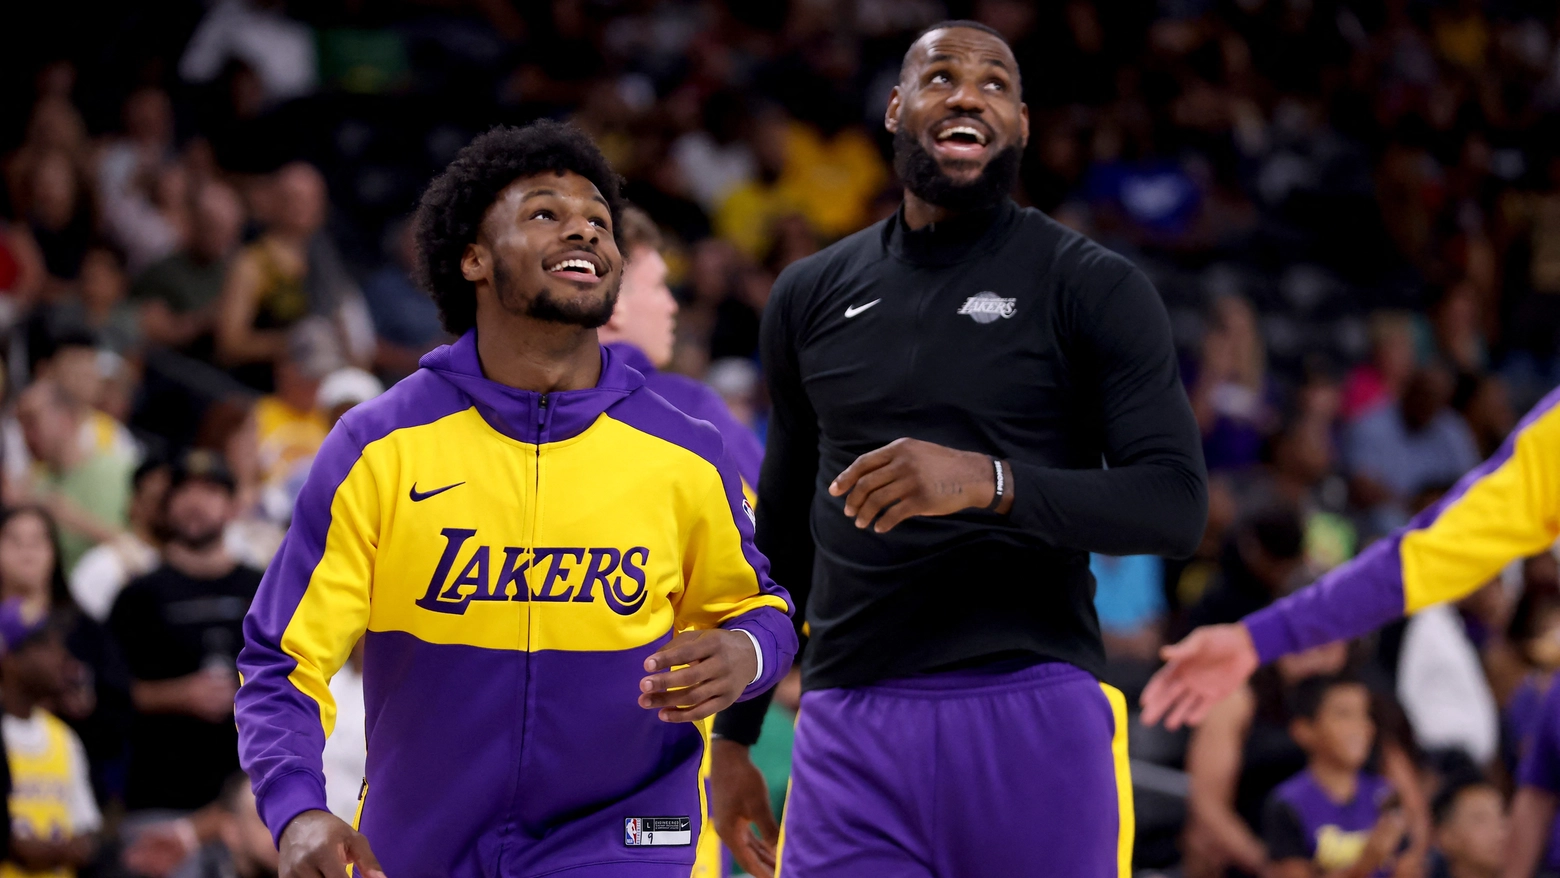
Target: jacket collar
x: 520, y: 414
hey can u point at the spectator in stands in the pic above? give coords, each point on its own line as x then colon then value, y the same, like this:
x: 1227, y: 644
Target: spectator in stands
x: 292, y: 272
x: 1471, y: 829
x: 77, y: 364
x: 54, y: 817
x: 180, y: 629
x: 86, y: 491
x: 178, y: 295
x: 641, y: 331
x: 1244, y: 750
x: 1442, y: 686
x: 105, y: 569
x: 55, y: 126
x: 277, y: 442
x: 1231, y: 396
x: 1335, y: 817
x: 1256, y: 566
x: 405, y: 317
x: 226, y: 839
x: 102, y: 304
x: 279, y: 49
x: 1129, y: 597
x: 344, y: 389
x: 21, y: 270
x: 1379, y: 381
x: 96, y: 702
x: 62, y: 216
x: 1397, y: 451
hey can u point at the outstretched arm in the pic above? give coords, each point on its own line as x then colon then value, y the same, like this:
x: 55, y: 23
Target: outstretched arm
x: 1507, y: 508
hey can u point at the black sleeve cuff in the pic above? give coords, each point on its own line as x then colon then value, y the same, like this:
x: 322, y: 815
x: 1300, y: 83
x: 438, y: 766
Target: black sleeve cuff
x: 743, y: 722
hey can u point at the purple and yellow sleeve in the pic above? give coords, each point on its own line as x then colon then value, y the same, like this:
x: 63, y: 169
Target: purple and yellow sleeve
x: 1507, y: 508
x: 727, y: 580
x: 312, y: 606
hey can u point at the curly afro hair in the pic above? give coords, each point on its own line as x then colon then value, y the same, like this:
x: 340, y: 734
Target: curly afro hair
x: 454, y: 204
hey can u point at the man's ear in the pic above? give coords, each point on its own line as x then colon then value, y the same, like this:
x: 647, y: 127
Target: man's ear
x: 891, y: 115
x: 476, y: 263
x: 1023, y: 126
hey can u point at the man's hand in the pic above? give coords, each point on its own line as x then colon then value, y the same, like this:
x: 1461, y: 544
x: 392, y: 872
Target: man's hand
x: 318, y: 844
x: 158, y: 849
x: 1199, y: 672
x: 739, y: 798
x: 908, y: 477
x: 720, y: 664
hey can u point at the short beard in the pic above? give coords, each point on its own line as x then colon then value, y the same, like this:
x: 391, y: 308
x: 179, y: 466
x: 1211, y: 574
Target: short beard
x: 919, y: 171
x: 545, y: 306
x: 197, y: 542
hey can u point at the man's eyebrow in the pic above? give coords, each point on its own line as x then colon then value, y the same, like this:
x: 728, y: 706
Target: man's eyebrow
x: 534, y: 193
x: 994, y: 60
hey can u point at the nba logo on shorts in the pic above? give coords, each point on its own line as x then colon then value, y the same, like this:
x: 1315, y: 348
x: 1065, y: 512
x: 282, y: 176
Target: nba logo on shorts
x: 632, y: 832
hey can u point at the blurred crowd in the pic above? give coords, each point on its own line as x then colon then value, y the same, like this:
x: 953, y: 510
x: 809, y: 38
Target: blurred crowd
x: 1350, y: 207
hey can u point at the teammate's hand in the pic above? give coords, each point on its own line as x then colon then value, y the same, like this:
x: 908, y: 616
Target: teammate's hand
x: 909, y: 477
x: 739, y: 798
x: 1199, y: 672
x: 720, y: 664
x: 318, y: 844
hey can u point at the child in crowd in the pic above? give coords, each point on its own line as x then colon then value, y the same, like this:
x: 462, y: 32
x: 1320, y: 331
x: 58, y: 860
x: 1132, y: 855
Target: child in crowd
x: 1471, y: 829
x: 54, y: 818
x: 1334, y: 819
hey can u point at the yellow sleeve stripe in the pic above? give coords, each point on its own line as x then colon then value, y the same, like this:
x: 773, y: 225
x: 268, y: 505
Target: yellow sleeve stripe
x: 1511, y: 512
x: 333, y: 612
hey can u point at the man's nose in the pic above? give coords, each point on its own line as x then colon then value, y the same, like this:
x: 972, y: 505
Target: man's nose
x: 967, y: 98
x: 578, y: 228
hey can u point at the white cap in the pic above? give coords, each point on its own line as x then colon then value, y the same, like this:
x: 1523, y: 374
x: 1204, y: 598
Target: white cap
x: 348, y: 386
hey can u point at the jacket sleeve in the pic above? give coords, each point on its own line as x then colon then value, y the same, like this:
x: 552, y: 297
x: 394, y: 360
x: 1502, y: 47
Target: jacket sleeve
x: 727, y: 582
x: 1151, y: 498
x: 1507, y: 508
x: 312, y: 606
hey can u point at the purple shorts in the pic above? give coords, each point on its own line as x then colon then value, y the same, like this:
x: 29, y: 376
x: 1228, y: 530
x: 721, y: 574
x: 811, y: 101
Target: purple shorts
x: 978, y: 772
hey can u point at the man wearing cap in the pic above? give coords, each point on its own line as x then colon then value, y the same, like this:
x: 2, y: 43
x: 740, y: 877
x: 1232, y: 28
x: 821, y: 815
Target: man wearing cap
x: 180, y: 628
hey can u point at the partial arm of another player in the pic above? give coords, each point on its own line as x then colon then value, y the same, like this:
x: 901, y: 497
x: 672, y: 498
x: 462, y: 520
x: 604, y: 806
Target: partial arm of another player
x: 739, y: 799
x: 310, y: 609
x: 1152, y: 498
x: 1507, y: 508
x: 737, y: 639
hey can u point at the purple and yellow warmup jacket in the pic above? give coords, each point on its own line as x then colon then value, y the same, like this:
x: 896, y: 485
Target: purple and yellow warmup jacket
x: 511, y: 559
x: 1505, y: 509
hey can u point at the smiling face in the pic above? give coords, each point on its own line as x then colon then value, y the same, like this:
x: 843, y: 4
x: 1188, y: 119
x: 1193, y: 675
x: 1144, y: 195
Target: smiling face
x: 546, y: 251
x: 958, y: 121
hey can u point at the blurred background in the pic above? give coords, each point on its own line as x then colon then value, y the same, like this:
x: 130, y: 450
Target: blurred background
x: 1350, y: 207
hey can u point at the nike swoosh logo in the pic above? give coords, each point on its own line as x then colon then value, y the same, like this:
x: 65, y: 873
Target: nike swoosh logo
x: 857, y: 309
x: 419, y: 496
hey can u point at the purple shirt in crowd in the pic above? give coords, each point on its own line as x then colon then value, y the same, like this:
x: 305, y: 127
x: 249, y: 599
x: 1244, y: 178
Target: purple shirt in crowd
x: 1303, y: 822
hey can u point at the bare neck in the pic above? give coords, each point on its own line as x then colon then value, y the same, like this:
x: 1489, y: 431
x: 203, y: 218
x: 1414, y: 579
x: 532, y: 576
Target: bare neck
x: 1337, y: 781
x: 537, y: 355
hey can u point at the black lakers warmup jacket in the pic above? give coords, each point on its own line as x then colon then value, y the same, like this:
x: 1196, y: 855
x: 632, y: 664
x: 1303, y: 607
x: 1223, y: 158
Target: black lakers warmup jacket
x: 1001, y: 332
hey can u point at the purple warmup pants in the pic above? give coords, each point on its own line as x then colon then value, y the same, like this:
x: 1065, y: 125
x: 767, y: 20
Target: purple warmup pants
x: 965, y: 774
